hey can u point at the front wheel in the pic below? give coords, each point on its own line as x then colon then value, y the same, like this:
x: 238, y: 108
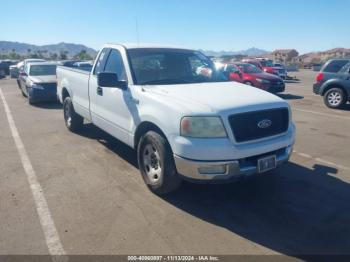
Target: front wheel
x: 248, y: 83
x: 335, y: 98
x: 73, y: 121
x: 156, y: 164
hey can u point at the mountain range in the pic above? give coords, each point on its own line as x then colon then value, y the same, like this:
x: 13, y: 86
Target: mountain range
x: 7, y: 47
x: 24, y: 48
x: 248, y: 52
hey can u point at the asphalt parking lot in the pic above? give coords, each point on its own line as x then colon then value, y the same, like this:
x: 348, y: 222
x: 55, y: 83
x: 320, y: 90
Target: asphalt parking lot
x: 100, y: 205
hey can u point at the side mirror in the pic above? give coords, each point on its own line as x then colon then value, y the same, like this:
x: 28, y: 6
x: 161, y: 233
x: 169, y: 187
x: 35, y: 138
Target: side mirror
x: 108, y: 79
x: 22, y: 74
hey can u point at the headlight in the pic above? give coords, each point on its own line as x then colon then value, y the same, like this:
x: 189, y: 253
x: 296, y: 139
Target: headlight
x: 36, y: 86
x: 263, y: 81
x: 202, y: 127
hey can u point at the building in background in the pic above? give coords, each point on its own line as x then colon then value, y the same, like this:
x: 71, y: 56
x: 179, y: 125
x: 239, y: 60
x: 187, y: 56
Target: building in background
x: 284, y: 55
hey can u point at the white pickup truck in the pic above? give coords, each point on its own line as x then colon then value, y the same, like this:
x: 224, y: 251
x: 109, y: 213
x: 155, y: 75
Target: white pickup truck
x: 184, y: 118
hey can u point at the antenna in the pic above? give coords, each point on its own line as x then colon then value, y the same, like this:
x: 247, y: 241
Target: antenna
x: 137, y: 32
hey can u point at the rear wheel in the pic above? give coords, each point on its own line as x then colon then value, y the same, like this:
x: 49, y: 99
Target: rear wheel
x: 335, y: 98
x: 156, y: 164
x: 73, y: 121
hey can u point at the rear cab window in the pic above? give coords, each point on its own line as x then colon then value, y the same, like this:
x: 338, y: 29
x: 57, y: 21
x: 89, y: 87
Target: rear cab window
x: 335, y: 66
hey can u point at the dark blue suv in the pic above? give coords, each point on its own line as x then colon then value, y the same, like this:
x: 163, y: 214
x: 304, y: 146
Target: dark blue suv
x: 333, y: 83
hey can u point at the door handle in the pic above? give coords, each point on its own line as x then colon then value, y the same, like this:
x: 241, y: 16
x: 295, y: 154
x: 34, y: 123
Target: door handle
x: 99, y: 91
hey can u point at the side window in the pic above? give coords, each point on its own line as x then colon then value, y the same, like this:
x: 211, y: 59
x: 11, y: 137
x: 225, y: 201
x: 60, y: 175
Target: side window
x: 232, y: 69
x: 335, y: 66
x: 115, y: 64
x: 101, y: 61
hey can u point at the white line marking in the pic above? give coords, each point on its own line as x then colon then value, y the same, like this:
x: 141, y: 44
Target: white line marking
x: 53, y: 241
x: 304, y: 155
x: 321, y: 114
x: 322, y: 161
x: 331, y: 164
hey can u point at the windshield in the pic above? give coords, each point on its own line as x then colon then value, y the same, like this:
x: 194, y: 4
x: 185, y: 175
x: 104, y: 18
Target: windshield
x: 250, y: 69
x: 161, y: 66
x: 266, y: 63
x: 42, y: 70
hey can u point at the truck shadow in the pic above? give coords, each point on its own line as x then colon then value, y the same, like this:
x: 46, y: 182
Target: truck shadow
x: 290, y: 97
x: 294, y: 210
x: 112, y: 144
x: 48, y: 105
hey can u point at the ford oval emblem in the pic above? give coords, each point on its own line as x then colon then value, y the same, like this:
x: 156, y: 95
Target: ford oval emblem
x: 266, y: 123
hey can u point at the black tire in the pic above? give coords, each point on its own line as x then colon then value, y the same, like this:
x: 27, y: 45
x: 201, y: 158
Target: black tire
x: 30, y: 101
x: 73, y: 121
x: 165, y: 178
x: 23, y: 93
x: 248, y: 83
x: 335, y: 98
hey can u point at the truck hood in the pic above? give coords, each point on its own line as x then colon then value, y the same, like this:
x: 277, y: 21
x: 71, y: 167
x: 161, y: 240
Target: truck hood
x: 218, y: 97
x: 43, y: 79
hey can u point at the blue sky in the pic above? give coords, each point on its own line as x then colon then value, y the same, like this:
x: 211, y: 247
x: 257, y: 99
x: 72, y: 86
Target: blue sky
x: 307, y: 25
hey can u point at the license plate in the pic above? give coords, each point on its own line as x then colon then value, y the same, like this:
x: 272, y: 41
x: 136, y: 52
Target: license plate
x: 267, y: 163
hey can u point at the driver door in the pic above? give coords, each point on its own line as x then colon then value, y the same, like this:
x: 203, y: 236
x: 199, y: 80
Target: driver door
x: 112, y: 109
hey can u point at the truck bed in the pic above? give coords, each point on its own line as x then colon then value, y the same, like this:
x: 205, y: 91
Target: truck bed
x: 76, y: 82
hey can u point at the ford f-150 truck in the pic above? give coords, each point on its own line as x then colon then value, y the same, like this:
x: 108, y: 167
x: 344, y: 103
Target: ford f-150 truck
x: 184, y: 117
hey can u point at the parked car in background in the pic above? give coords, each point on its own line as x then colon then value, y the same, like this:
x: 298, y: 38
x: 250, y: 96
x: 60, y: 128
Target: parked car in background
x: 281, y: 70
x: 86, y: 66
x: 32, y: 60
x: 68, y: 63
x: 5, y: 66
x: 22, y: 75
x: 2, y: 73
x: 14, y: 71
x: 333, y: 83
x: 184, y: 118
x: 40, y: 82
x: 251, y: 75
x: 253, y: 62
x: 268, y: 66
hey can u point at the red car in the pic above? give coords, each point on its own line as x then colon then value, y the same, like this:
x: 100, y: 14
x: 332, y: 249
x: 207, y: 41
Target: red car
x: 251, y: 75
x: 264, y: 64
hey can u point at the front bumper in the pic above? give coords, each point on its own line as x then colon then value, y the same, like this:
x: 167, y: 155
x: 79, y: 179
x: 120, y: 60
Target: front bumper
x: 42, y: 94
x: 191, y: 169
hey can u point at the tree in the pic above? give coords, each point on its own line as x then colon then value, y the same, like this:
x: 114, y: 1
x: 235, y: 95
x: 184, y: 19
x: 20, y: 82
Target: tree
x: 63, y: 55
x: 83, y: 55
x: 13, y: 55
x: 53, y: 56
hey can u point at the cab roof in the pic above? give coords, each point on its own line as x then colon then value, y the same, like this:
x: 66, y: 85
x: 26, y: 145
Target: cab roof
x: 143, y: 45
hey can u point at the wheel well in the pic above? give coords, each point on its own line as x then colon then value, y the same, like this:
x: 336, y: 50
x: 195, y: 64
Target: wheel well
x: 336, y: 86
x: 143, y: 128
x: 64, y: 94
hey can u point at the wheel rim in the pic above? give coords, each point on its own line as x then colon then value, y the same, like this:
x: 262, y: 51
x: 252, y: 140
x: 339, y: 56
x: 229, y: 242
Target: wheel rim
x: 67, y: 114
x: 152, y: 163
x: 249, y: 83
x: 334, y: 98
